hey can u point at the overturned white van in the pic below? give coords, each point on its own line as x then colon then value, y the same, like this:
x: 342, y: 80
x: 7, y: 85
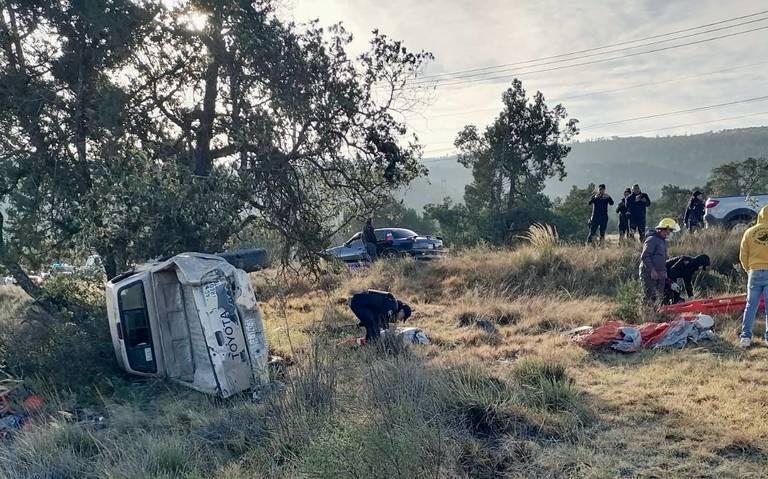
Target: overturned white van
x: 193, y: 319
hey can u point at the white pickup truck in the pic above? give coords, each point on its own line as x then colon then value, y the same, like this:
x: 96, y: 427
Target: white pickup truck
x: 733, y: 212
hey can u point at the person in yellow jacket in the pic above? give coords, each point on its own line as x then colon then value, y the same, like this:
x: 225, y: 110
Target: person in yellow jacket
x: 754, y: 260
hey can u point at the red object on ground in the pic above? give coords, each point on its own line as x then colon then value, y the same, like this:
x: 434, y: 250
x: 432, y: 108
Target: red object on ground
x: 651, y: 332
x: 33, y: 403
x: 600, y: 335
x: 726, y: 304
x: 609, y: 332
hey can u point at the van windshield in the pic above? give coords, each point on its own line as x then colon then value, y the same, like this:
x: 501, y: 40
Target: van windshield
x: 137, y: 333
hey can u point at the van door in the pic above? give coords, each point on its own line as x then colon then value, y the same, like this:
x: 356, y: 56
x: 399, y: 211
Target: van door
x: 226, y: 341
x: 136, y: 329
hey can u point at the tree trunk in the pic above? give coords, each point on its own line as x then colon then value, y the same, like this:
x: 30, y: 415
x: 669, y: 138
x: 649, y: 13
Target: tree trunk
x: 108, y: 261
x: 114, y: 258
x: 204, y: 134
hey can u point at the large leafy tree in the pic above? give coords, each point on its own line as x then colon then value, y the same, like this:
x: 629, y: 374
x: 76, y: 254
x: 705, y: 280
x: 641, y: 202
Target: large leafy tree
x: 134, y: 129
x: 748, y: 177
x: 456, y: 223
x: 512, y: 158
x: 573, y: 212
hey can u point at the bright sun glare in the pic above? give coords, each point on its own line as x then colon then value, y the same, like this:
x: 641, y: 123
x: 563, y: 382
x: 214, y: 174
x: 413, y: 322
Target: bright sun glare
x: 195, y: 20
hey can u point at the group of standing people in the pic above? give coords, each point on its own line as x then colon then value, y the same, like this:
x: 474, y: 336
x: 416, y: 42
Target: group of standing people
x: 631, y: 209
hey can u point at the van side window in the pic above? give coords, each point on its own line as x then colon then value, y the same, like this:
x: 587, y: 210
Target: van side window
x: 134, y: 319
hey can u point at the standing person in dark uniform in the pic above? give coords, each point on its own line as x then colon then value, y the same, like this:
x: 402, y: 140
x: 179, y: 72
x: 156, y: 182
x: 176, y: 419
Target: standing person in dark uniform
x: 683, y: 267
x: 637, y: 204
x: 369, y: 240
x: 375, y: 309
x: 623, y: 217
x: 599, y: 220
x: 694, y: 214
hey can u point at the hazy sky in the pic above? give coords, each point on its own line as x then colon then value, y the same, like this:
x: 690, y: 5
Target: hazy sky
x: 484, y: 33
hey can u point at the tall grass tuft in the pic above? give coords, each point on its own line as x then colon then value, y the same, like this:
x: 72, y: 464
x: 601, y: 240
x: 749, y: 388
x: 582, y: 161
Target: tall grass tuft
x: 542, y: 237
x: 547, y: 386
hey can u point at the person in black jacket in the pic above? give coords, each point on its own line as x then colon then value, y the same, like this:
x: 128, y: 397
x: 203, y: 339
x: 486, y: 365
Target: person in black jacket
x: 683, y: 267
x: 694, y: 214
x: 623, y: 217
x: 375, y: 309
x: 599, y: 220
x: 369, y: 240
x: 637, y: 204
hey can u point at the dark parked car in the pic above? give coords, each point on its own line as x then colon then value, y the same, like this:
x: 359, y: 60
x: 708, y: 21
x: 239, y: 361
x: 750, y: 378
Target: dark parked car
x: 392, y: 243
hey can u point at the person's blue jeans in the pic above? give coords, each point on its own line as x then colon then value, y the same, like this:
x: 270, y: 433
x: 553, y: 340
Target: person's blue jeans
x: 757, y: 286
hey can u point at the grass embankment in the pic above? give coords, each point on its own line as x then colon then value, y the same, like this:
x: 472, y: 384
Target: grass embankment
x: 499, y: 393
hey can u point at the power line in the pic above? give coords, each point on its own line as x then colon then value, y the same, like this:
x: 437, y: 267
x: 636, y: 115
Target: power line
x: 602, y: 92
x: 695, y: 124
x: 499, y: 69
x: 598, y: 48
x: 678, y: 112
x: 602, y: 60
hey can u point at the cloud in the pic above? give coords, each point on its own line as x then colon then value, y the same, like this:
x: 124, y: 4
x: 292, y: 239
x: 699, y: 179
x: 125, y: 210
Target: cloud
x: 465, y: 35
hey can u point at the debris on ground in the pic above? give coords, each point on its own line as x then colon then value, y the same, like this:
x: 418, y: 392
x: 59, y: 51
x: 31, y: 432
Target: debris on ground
x: 12, y: 419
x: 628, y: 338
x: 33, y: 403
x: 10, y: 424
x: 410, y: 335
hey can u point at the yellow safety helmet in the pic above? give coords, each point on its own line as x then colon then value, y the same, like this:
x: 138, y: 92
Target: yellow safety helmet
x: 668, y: 224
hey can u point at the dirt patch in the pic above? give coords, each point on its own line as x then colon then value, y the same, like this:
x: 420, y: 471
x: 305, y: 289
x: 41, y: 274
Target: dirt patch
x: 491, y: 425
x: 741, y: 451
x: 480, y: 461
x: 495, y: 317
x: 507, y: 318
x: 486, y: 326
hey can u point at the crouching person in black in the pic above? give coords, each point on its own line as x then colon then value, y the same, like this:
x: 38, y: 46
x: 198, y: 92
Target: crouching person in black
x: 683, y: 267
x: 375, y: 309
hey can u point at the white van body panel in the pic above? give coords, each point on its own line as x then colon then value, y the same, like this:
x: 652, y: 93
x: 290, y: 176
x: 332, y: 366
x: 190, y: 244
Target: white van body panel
x: 206, y: 326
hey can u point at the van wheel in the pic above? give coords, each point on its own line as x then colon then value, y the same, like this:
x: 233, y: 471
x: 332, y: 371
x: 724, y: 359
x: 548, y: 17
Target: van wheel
x: 741, y: 223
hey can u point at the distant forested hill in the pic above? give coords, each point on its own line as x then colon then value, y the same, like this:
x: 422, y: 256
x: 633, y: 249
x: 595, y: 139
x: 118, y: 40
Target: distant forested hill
x: 619, y: 162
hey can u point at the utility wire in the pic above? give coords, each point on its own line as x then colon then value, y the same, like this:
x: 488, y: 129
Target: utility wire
x: 602, y: 60
x: 597, y: 48
x: 603, y: 92
x: 678, y: 112
x: 692, y: 124
x: 422, y: 81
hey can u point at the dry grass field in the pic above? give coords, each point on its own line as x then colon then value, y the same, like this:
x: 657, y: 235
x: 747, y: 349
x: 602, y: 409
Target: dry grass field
x: 499, y: 392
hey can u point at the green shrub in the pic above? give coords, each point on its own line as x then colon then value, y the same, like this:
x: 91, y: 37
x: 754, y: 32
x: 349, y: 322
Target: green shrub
x: 629, y: 299
x: 33, y: 343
